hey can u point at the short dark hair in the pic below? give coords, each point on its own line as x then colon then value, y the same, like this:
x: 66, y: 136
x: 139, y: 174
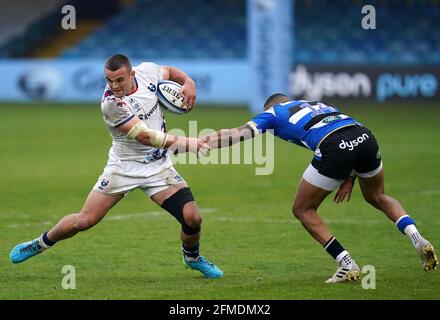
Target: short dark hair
x: 274, y: 99
x: 117, y: 61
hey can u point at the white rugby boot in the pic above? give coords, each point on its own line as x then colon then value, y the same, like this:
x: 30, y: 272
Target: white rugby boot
x: 346, y: 271
x: 427, y: 254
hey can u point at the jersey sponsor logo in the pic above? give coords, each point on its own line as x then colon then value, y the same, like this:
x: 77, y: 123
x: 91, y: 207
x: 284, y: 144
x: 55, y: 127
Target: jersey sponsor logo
x: 148, y: 114
x: 331, y: 119
x: 353, y: 143
x: 152, y: 87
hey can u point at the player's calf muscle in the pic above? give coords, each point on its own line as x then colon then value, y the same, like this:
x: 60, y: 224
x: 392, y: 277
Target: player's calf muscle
x: 64, y: 229
x: 83, y: 223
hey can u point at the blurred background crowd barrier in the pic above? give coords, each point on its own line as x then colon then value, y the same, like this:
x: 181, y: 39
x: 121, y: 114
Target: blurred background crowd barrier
x: 317, y: 48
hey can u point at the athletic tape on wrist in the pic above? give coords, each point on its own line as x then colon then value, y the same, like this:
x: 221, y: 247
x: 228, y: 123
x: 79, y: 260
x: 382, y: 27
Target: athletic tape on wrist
x: 157, y: 138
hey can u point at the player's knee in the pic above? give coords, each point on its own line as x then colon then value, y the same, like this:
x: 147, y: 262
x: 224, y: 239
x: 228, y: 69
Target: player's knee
x: 374, y: 199
x: 193, y: 220
x: 182, y: 206
x: 192, y: 224
x: 298, y: 210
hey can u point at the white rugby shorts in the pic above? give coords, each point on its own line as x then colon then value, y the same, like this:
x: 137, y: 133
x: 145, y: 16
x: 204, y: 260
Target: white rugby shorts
x: 123, y: 177
x: 312, y: 176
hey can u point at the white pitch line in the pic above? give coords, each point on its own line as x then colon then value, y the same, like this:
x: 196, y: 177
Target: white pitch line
x: 150, y: 214
x: 129, y: 216
x: 292, y: 220
x: 240, y: 219
x: 429, y: 192
x: 26, y: 225
x: 110, y: 217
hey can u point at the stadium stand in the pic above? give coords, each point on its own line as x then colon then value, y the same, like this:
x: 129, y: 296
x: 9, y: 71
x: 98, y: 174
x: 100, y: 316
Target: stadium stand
x: 200, y: 32
x: 407, y: 32
x: 29, y: 12
x: 42, y: 36
x: 20, y: 34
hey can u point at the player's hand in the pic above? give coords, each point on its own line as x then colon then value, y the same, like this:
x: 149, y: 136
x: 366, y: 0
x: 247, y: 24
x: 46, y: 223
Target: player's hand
x: 189, y: 92
x: 198, y: 146
x: 344, y: 191
x: 205, y: 139
x: 203, y: 148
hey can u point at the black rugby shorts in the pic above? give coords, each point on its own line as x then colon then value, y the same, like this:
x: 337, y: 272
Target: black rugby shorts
x: 350, y: 148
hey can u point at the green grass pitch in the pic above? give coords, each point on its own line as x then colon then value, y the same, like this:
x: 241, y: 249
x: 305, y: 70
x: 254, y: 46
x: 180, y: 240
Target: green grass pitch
x: 52, y: 154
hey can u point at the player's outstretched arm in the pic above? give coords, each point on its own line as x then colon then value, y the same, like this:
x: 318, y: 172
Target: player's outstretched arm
x: 136, y: 129
x: 228, y: 137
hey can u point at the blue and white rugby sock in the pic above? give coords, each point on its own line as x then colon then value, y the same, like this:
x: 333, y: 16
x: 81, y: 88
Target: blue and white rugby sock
x: 407, y: 226
x: 45, y: 242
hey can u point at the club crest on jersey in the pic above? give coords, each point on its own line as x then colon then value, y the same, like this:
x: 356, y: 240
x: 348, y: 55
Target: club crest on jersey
x: 353, y: 143
x: 135, y: 105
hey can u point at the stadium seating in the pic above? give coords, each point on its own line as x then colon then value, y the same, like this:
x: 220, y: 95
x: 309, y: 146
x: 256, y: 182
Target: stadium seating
x: 214, y: 29
x: 35, y: 18
x: 29, y: 12
x: 407, y: 32
x: 326, y: 32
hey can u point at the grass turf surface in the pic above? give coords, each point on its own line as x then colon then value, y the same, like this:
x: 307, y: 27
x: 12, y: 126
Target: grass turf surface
x: 51, y: 155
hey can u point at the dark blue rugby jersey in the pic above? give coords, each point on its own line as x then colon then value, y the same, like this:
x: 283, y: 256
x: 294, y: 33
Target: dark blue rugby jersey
x: 305, y: 123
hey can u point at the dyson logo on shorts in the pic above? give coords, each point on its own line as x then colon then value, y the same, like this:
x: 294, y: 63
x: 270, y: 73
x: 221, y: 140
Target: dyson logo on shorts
x: 353, y: 143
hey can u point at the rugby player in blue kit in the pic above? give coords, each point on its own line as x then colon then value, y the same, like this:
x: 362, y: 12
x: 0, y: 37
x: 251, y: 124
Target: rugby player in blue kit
x: 343, y: 150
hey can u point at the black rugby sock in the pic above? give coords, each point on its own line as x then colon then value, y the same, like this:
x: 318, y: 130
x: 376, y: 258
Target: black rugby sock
x: 335, y: 249
x: 190, y: 253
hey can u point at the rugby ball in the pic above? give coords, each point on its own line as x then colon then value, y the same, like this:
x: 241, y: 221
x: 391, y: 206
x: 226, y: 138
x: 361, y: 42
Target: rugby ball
x: 169, y: 97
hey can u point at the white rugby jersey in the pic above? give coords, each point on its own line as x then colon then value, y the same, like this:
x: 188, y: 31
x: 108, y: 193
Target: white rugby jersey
x: 141, y: 103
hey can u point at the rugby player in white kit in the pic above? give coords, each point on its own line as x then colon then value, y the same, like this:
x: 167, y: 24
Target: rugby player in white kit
x: 139, y: 158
